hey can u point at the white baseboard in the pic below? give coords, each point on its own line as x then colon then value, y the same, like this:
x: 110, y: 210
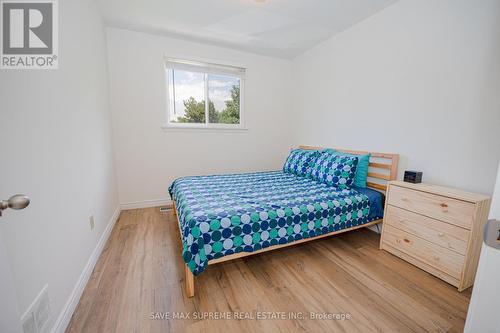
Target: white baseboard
x: 64, y: 318
x: 145, y: 204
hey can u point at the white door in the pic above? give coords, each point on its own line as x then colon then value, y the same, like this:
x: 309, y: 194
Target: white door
x: 10, y: 320
x: 484, y: 308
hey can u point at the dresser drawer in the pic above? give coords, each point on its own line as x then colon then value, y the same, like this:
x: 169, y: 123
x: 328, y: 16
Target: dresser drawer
x: 453, y: 211
x: 429, y: 253
x: 440, y: 233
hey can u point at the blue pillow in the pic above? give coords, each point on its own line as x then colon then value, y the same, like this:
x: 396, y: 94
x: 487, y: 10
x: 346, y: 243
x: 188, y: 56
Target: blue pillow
x: 299, y: 162
x: 362, y: 168
x: 335, y: 170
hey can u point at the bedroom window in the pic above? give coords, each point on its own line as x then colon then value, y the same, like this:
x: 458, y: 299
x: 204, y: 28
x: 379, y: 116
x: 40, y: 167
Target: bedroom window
x: 204, y: 95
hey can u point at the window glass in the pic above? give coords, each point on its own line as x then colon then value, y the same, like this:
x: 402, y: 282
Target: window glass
x: 224, y: 97
x: 204, y: 95
x: 186, y: 96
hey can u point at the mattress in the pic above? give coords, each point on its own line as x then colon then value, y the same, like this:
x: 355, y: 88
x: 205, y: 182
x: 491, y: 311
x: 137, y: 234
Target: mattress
x: 224, y: 214
x: 377, y: 201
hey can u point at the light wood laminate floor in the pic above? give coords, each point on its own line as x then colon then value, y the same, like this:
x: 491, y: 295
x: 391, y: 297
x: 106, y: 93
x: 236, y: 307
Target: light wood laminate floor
x: 140, y: 274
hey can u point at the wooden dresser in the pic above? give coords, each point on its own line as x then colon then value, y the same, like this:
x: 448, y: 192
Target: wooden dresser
x: 435, y: 228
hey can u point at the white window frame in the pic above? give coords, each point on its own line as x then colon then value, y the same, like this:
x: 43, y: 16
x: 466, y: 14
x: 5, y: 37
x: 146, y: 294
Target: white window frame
x: 205, y: 68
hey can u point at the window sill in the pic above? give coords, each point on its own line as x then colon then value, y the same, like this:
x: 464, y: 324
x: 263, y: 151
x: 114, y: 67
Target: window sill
x: 181, y: 128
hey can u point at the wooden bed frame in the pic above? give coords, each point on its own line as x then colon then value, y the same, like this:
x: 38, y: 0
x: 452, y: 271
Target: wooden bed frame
x: 383, y: 168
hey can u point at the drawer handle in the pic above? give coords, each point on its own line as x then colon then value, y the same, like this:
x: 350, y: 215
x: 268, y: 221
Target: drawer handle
x: 444, y: 205
x: 406, y: 240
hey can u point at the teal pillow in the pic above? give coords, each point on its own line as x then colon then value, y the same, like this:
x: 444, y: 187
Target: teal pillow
x: 361, y: 170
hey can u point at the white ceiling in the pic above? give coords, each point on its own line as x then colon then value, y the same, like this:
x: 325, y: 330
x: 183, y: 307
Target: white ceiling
x: 280, y: 28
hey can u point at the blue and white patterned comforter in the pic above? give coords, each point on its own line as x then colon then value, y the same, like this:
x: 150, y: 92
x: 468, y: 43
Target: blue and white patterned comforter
x: 225, y: 214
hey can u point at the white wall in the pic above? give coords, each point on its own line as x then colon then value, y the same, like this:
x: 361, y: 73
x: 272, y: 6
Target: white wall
x: 56, y: 148
x: 485, y: 301
x: 148, y: 157
x: 420, y: 78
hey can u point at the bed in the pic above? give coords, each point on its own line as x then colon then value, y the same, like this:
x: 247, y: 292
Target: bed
x: 225, y: 217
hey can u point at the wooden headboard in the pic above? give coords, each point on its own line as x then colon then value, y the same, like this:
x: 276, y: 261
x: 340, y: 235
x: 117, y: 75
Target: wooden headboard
x: 383, y: 167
